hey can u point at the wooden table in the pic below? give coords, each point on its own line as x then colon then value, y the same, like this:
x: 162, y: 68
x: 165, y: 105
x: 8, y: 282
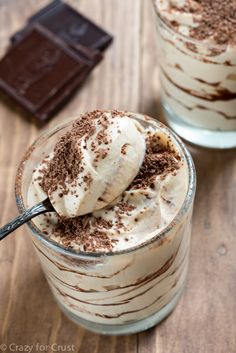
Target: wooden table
x: 205, y: 319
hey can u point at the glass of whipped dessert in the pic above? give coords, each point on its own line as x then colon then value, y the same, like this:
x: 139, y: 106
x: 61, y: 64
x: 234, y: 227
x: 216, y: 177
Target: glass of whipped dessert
x: 115, y: 254
x: 197, y: 58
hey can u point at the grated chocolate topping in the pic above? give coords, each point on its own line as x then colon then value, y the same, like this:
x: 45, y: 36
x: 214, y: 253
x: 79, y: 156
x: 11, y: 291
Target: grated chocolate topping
x: 67, y: 160
x: 218, y: 21
x: 159, y: 160
x: 78, y: 230
x: 215, y: 19
x: 90, y: 232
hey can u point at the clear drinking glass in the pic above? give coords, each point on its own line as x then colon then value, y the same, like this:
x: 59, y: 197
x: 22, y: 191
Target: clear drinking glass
x: 118, y: 292
x: 198, y: 87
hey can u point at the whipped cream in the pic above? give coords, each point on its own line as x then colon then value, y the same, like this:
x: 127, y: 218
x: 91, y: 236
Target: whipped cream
x: 198, y: 83
x: 210, y: 22
x: 125, y: 288
x: 111, y: 152
x: 145, y: 205
x: 172, y: 12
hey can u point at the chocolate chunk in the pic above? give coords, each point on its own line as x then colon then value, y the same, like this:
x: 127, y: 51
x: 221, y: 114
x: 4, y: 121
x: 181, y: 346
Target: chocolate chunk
x: 91, y: 58
x: 61, y: 97
x: 68, y: 24
x: 40, y: 72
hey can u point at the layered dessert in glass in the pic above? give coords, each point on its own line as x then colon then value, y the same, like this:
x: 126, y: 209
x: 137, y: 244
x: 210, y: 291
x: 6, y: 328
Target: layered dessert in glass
x: 115, y: 252
x: 197, y: 52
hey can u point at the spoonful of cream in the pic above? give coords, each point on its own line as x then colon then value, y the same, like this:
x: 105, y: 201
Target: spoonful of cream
x: 90, y: 166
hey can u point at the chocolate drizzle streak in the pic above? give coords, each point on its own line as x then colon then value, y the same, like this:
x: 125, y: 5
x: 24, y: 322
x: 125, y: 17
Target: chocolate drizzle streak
x: 201, y: 107
x: 222, y: 94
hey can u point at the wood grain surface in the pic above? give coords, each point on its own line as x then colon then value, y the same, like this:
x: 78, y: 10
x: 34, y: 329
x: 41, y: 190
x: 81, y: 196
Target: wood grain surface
x: 205, y: 318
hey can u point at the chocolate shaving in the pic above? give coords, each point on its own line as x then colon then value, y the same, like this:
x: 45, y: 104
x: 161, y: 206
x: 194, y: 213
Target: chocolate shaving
x: 159, y: 160
x: 123, y: 148
x: 78, y: 230
x: 67, y: 160
x: 66, y: 163
x: 218, y: 21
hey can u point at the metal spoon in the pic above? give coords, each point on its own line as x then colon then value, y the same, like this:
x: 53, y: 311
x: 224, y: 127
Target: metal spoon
x: 42, y: 207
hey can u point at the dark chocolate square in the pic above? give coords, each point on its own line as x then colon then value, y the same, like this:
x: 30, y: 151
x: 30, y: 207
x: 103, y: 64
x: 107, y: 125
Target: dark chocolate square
x: 37, y: 69
x: 61, y: 97
x: 68, y: 24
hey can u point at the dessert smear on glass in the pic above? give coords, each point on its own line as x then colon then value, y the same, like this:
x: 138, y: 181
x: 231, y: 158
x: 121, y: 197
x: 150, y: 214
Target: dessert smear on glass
x: 197, y: 51
x: 116, y: 252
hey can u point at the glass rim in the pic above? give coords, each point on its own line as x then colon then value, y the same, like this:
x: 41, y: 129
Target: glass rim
x: 184, y: 36
x: 93, y: 255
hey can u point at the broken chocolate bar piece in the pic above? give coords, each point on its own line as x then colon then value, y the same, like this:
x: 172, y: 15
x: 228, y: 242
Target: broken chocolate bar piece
x: 39, y: 70
x: 50, y: 58
x: 68, y: 24
x: 60, y: 98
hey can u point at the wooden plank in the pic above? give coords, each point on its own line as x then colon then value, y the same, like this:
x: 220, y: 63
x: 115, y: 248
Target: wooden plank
x: 149, y: 102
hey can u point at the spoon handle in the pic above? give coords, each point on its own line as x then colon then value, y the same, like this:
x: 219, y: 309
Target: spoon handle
x: 42, y: 207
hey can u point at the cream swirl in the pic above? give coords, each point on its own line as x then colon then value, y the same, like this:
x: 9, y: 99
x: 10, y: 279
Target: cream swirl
x: 180, y: 12
x: 207, y: 21
x: 143, y: 207
x: 110, y: 153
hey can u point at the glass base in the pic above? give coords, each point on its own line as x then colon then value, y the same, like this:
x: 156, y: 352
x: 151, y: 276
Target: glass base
x: 199, y: 136
x: 124, y: 329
